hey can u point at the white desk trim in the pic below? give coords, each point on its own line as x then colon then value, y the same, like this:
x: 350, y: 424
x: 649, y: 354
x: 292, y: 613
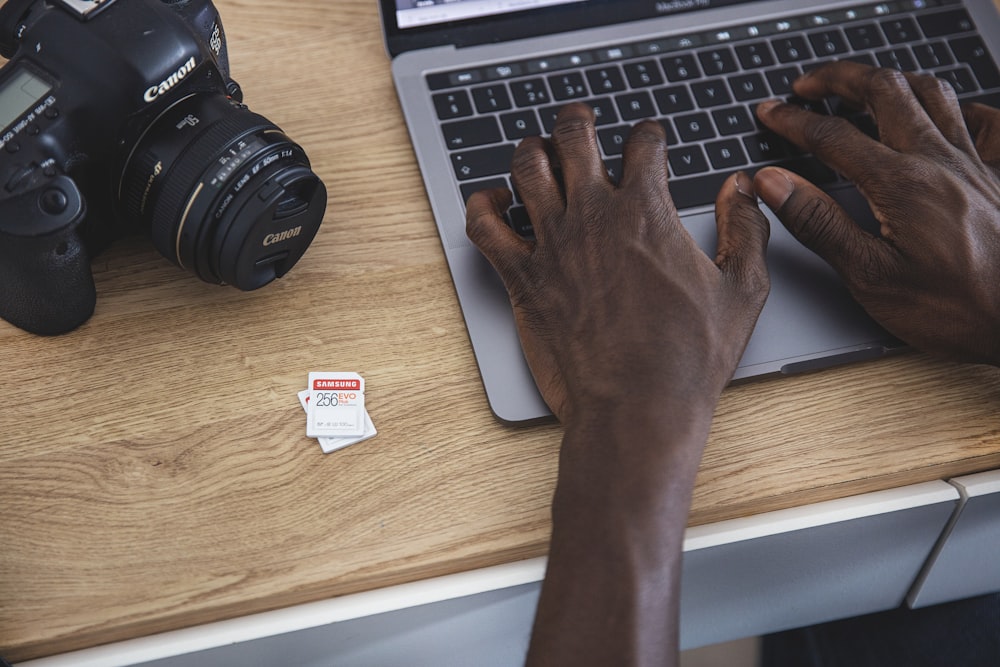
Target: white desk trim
x: 394, y: 598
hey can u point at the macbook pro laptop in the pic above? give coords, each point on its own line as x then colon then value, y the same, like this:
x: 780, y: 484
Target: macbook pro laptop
x: 476, y: 76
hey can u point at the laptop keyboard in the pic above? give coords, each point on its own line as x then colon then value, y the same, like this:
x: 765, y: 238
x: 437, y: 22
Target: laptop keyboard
x: 703, y: 89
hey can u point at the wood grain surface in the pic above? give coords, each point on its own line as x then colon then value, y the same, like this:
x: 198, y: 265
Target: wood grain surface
x: 154, y: 468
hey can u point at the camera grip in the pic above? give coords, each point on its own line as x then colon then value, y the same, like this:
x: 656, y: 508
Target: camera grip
x: 46, y: 285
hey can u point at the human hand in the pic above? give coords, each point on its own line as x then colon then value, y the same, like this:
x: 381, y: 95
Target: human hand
x: 932, y: 276
x: 613, y: 296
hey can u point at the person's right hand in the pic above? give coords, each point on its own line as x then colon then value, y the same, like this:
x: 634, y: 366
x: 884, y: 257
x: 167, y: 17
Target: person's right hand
x: 932, y: 277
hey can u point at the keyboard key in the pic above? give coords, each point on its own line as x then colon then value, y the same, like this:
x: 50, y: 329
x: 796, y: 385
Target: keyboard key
x: 569, y: 86
x: 606, y: 80
x: 791, y: 49
x: 454, y: 104
x: 989, y: 99
x: 865, y: 123
x: 766, y: 147
x: 530, y: 92
x: 711, y: 93
x: 933, y: 55
x: 687, y: 160
x: 726, y: 154
x: 612, y: 139
x: 491, y: 98
x: 482, y: 162
x: 941, y: 24
x: 748, y: 87
x: 668, y: 129
x: 781, y: 80
x: 681, y: 67
x: 469, y: 189
x: 604, y: 113
x: 696, y: 191
x: 815, y: 106
x: 863, y: 58
x: 472, y: 132
x: 898, y: 58
x: 717, y: 61
x: 634, y: 106
x: 642, y: 74
x: 811, y: 169
x: 901, y: 30
x: 673, y: 99
x: 694, y: 127
x: 960, y: 78
x: 864, y: 37
x: 549, y: 116
x: 755, y: 55
x: 828, y: 43
x: 520, y: 124
x: 972, y: 52
x: 733, y: 120
x: 517, y: 218
x: 613, y: 167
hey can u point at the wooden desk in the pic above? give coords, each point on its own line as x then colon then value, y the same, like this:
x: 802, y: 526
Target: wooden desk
x: 154, y: 469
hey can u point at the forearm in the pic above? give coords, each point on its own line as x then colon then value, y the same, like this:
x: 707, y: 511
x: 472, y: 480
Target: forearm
x: 611, y: 592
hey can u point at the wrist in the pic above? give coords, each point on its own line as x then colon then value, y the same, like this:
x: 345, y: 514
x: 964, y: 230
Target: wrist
x: 633, y: 458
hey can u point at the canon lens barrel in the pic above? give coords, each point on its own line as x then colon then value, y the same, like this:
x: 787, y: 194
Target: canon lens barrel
x: 224, y: 193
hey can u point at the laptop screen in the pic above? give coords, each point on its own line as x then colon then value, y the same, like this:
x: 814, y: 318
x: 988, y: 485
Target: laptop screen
x: 413, y: 13
x: 415, y: 24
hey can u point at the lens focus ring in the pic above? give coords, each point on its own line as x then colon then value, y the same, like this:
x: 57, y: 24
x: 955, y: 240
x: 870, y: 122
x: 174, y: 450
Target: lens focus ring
x: 216, y: 184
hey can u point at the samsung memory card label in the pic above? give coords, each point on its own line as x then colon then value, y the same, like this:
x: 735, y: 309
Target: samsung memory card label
x: 336, y: 406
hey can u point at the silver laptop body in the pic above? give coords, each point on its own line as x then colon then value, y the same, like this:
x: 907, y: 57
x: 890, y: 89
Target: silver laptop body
x: 809, y: 321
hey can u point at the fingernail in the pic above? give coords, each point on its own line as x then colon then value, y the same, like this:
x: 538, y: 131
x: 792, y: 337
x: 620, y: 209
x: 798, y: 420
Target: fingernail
x: 767, y: 105
x: 774, y: 187
x: 745, y: 187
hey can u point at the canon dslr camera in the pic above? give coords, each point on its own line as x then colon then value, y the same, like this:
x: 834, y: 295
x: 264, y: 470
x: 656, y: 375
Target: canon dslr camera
x: 119, y: 116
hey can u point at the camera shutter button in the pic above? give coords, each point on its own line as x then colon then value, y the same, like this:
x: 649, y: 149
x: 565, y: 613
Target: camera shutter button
x: 53, y: 201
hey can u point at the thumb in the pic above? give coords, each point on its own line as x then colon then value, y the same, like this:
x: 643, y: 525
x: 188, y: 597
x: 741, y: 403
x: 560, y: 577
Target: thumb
x: 814, y: 218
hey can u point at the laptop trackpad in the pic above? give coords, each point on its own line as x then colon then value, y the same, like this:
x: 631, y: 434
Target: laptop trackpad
x: 810, y: 320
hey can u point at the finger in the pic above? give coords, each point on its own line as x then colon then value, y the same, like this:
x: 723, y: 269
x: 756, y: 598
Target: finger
x: 533, y: 173
x: 984, y: 124
x: 939, y: 100
x: 817, y: 221
x: 644, y: 158
x: 575, y: 141
x: 485, y: 226
x: 886, y: 93
x: 832, y: 139
x: 743, y: 233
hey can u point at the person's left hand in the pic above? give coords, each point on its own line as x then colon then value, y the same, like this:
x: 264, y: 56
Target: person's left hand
x: 613, y: 295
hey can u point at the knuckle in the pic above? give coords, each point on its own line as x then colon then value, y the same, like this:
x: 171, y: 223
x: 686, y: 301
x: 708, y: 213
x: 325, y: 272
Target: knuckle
x: 927, y: 85
x: 477, y: 225
x: 816, y: 222
x: 868, y: 274
x: 755, y: 281
x: 648, y: 131
x: 884, y: 81
x: 572, y: 128
x: 826, y: 133
x: 529, y: 159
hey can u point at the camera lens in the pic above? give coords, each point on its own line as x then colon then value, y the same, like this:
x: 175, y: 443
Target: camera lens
x: 224, y: 193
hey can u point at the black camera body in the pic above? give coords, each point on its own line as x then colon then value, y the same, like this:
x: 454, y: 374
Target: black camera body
x: 119, y: 117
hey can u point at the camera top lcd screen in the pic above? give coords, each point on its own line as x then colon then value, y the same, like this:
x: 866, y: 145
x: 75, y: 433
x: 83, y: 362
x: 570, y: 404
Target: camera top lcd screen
x: 21, y: 91
x: 413, y: 13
